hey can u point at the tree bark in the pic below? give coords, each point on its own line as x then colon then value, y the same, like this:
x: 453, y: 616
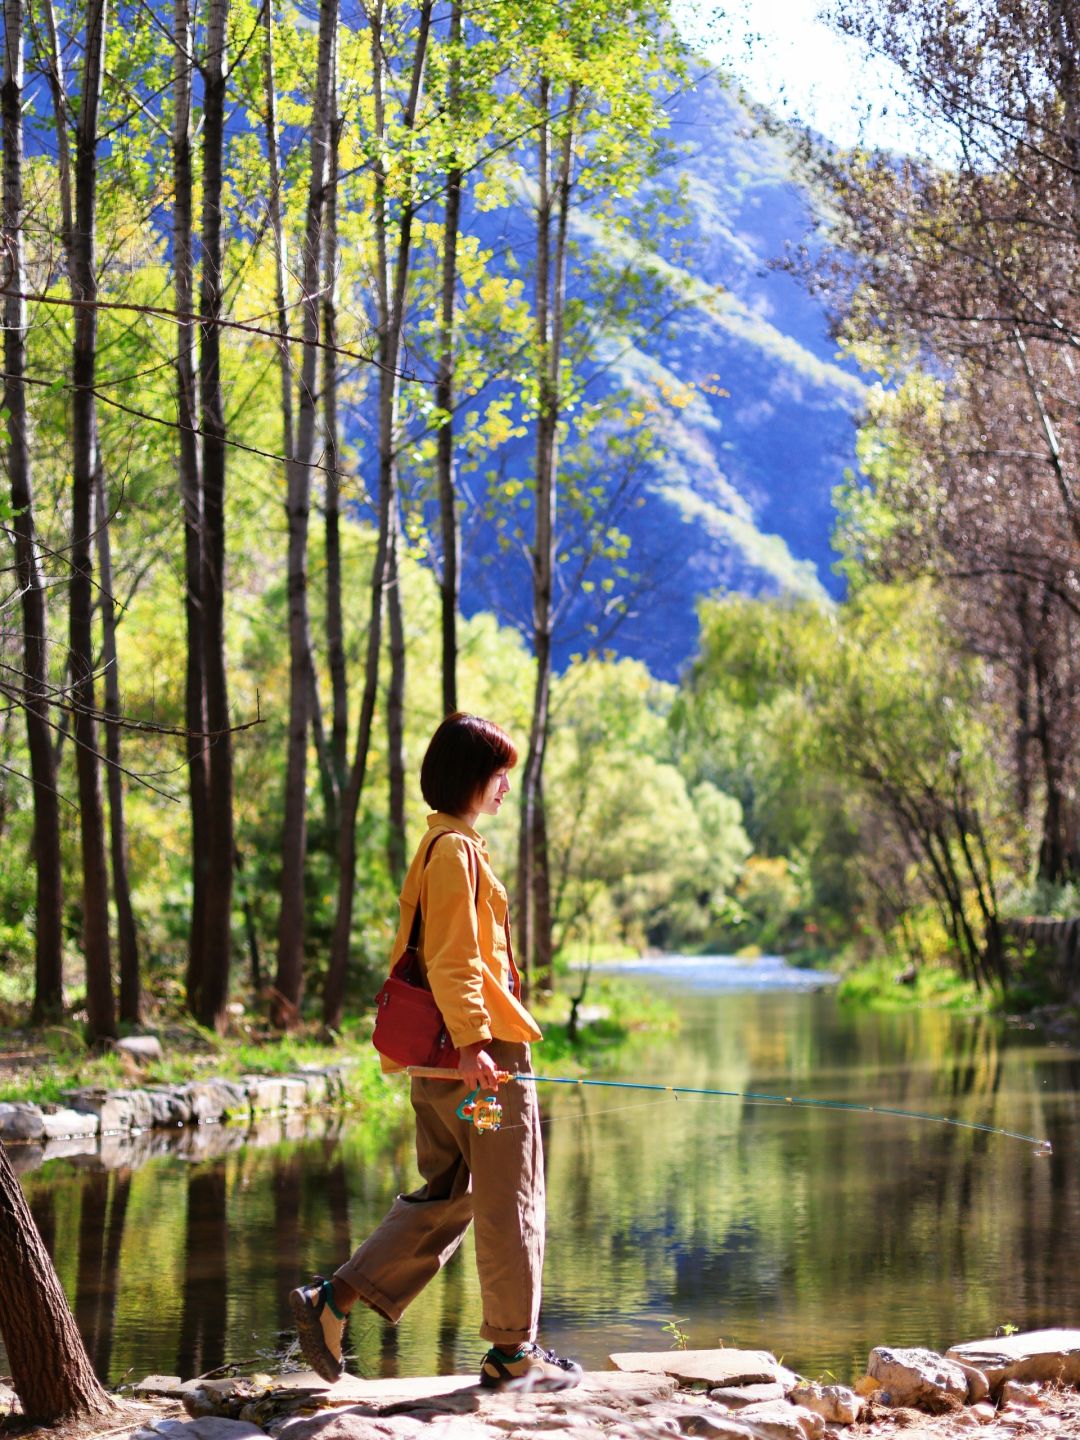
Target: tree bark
x: 48, y: 939
x: 395, y: 715
x: 50, y: 1369
x: 553, y: 207
x: 444, y: 390
x: 101, y: 1013
x: 126, y: 934
x: 288, y: 982
x: 214, y: 989
x: 190, y: 469
x: 335, y: 623
x: 391, y: 300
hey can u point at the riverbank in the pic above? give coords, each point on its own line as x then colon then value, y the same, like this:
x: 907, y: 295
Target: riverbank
x: 43, y: 1066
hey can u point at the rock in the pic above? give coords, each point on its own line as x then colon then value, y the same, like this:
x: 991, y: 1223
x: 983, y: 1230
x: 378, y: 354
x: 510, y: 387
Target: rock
x: 714, y: 1367
x: 978, y: 1384
x: 315, y: 1087
x: 716, y: 1427
x: 171, y: 1107
x: 210, y: 1101
x: 983, y: 1412
x: 1015, y: 1392
x: 349, y: 1425
x: 206, y: 1427
x: 1035, y: 1355
x: 294, y: 1093
x: 9, y: 1401
x: 144, y: 1049
x: 19, y: 1122
x: 734, y: 1397
x: 836, y: 1404
x: 112, y: 1107
x: 779, y: 1420
x: 69, y: 1124
x: 168, y: 1385
x: 921, y: 1379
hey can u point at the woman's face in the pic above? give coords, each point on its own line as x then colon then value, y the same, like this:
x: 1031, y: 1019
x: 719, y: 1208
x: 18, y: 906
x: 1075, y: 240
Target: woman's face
x: 493, y: 793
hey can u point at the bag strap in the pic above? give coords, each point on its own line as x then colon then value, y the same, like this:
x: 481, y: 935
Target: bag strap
x: 414, y: 933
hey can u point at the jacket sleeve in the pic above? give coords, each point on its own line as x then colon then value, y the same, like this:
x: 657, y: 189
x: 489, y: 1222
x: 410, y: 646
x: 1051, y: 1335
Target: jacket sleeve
x: 451, y: 945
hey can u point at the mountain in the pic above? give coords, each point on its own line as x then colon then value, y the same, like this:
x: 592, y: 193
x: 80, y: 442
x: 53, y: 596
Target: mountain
x: 763, y: 423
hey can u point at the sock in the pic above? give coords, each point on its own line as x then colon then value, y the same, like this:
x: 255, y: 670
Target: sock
x: 510, y: 1355
x: 328, y: 1296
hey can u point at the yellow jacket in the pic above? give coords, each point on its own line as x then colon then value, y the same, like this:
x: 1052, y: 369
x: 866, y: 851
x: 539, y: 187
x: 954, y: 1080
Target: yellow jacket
x: 463, y: 949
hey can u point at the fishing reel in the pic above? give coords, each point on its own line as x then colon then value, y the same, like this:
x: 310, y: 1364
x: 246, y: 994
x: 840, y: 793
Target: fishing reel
x: 483, y: 1112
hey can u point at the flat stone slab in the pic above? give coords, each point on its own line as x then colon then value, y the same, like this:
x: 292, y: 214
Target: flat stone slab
x: 1034, y: 1355
x: 352, y: 1390
x: 709, y: 1367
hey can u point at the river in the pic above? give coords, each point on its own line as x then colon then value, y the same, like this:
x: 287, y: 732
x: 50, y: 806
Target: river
x: 815, y: 1233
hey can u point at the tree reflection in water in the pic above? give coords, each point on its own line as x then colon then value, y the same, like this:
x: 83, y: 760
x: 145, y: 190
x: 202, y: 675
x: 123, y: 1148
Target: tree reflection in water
x: 202, y: 1341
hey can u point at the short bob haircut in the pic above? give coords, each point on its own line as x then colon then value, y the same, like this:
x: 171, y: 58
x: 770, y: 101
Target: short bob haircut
x: 463, y: 755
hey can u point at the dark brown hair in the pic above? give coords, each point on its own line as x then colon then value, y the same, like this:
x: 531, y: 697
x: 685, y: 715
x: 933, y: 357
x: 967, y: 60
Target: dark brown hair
x: 462, y: 756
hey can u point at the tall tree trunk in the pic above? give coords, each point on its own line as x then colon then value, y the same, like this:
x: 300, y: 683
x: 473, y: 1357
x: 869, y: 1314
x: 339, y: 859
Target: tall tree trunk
x: 100, y: 1008
x: 190, y: 469
x: 48, y: 940
x: 553, y: 206
x: 444, y: 390
x: 214, y: 989
x: 391, y: 291
x: 543, y: 929
x: 50, y: 1369
x: 395, y: 714
x: 335, y: 624
x: 289, y: 979
x: 126, y: 934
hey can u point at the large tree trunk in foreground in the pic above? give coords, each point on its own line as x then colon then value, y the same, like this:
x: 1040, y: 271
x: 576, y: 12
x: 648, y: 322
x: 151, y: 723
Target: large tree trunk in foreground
x: 214, y: 991
x: 50, y: 1369
x: 48, y: 958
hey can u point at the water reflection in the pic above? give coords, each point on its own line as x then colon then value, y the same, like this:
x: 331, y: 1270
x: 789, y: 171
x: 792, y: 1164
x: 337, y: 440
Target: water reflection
x: 815, y: 1233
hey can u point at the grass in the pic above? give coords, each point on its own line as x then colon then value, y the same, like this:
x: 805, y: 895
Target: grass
x: 875, y: 986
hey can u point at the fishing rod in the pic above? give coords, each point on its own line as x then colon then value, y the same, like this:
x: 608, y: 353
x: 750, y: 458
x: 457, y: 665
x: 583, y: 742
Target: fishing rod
x: 481, y: 1107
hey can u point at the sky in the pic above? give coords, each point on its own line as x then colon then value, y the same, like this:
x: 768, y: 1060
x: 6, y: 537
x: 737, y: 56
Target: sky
x: 792, y: 61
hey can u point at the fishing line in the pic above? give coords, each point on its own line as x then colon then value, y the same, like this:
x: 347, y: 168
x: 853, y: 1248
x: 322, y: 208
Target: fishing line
x: 1043, y: 1147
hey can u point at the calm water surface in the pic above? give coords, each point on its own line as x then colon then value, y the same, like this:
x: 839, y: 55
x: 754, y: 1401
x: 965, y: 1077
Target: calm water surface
x: 814, y: 1233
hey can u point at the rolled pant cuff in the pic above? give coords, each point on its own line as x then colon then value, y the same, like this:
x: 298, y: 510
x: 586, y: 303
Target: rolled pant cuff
x: 506, y: 1339
x: 370, y: 1296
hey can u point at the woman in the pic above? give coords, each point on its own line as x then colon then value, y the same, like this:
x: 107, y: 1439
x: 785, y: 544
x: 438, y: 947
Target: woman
x: 495, y: 1179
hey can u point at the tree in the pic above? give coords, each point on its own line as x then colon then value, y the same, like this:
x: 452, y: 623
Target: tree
x: 974, y: 293
x: 50, y: 1369
x: 212, y: 997
x: 191, y: 499
x: 48, y: 942
x: 290, y: 965
x: 393, y: 244
x: 100, y: 1006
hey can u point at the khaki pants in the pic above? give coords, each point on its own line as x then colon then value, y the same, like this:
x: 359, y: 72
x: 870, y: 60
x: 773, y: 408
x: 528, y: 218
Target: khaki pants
x: 495, y: 1179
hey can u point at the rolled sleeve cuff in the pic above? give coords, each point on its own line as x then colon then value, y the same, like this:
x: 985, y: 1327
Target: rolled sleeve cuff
x: 473, y: 1036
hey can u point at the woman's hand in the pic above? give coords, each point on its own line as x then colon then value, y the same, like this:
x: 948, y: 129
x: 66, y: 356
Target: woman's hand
x: 476, y: 1066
